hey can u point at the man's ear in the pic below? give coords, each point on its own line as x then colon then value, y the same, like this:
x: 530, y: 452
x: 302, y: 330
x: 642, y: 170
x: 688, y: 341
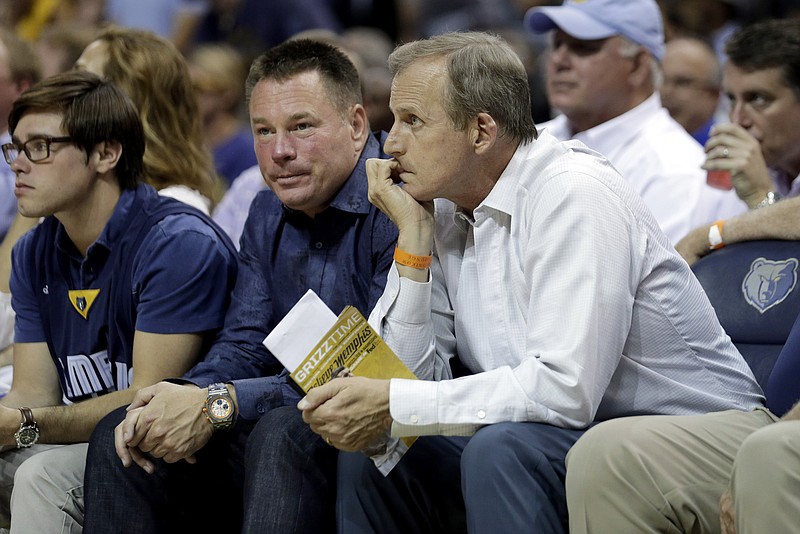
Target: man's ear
x: 357, y: 118
x: 642, y: 68
x: 105, y: 156
x: 483, y: 133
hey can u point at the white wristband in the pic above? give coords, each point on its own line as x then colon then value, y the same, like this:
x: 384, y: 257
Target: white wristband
x: 715, y: 236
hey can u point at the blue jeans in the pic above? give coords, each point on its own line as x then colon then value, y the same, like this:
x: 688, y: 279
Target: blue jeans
x: 264, y: 477
x: 507, y: 478
x: 290, y: 477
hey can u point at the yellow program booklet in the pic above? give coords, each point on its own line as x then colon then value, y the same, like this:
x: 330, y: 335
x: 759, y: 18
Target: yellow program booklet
x: 316, y: 346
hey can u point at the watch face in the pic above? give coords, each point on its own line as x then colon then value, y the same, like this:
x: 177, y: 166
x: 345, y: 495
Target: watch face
x: 220, y: 408
x: 27, y: 436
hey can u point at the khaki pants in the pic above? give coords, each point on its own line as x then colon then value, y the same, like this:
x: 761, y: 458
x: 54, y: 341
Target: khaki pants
x: 666, y: 474
x: 766, y: 480
x: 47, y: 483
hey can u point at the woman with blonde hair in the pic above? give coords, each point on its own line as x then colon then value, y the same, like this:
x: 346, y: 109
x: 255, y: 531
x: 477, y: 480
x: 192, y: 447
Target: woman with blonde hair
x: 156, y: 77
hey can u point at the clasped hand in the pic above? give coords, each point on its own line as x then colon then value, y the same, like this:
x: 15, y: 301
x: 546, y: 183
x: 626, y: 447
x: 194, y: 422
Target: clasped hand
x: 163, y: 421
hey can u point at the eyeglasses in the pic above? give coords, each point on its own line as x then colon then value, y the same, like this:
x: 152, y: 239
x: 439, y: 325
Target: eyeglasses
x: 37, y: 149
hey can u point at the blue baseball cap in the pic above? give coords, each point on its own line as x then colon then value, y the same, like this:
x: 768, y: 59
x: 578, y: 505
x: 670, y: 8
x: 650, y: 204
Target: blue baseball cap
x: 638, y: 20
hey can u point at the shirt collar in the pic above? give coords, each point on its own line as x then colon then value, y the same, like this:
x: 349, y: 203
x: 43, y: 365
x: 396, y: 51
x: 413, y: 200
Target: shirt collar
x: 113, y: 229
x: 503, y: 196
x: 352, y: 197
x: 785, y: 184
x: 608, y: 136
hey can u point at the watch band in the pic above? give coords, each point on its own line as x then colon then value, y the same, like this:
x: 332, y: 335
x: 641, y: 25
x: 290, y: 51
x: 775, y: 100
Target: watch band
x: 218, y: 388
x: 771, y: 198
x: 219, y: 392
x: 715, y: 236
x: 28, y: 433
x: 27, y: 416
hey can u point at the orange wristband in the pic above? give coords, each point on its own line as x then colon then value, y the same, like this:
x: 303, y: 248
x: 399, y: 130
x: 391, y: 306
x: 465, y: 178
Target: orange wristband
x: 410, y: 260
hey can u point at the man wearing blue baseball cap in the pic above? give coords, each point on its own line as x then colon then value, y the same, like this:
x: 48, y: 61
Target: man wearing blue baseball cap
x: 602, y: 75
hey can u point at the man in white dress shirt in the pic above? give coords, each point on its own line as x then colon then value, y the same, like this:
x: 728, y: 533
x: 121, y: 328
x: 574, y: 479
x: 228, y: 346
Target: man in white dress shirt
x: 539, y: 270
x: 602, y: 75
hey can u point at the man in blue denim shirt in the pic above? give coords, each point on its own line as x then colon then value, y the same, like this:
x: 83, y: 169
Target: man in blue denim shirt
x: 314, y: 228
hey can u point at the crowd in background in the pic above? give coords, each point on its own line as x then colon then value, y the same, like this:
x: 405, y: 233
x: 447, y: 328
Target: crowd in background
x: 370, y: 29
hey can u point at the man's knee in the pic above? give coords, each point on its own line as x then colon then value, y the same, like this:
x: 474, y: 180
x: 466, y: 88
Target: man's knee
x: 764, y: 455
x: 607, y: 446
x: 494, y: 448
x: 101, y: 442
x: 513, y: 447
x: 277, y: 426
x: 31, y: 474
x: 58, y: 470
x: 355, y: 472
x: 769, y: 442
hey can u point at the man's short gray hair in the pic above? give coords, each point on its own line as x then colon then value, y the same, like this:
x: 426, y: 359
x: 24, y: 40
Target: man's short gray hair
x: 484, y: 75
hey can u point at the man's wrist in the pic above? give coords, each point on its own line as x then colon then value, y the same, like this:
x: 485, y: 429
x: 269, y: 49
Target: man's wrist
x: 219, y: 407
x: 28, y: 433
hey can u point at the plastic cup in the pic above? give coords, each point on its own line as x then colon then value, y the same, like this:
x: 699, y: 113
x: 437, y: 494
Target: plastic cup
x: 719, y: 179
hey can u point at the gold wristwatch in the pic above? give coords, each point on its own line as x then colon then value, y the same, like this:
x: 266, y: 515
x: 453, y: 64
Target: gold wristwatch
x: 219, y: 408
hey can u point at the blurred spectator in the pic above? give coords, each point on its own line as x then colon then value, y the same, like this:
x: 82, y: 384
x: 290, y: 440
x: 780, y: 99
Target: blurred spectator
x: 218, y: 73
x: 535, y: 65
x: 601, y: 76
x: 28, y: 17
x: 19, y: 69
x: 372, y: 45
x: 32, y: 17
x: 761, y: 145
x: 715, y: 20
x: 379, y: 14
x: 157, y: 16
x: 156, y: 77
x: 690, y: 88
x: 424, y: 19
x: 231, y: 213
x: 252, y: 26
x: 372, y: 48
x: 59, y: 47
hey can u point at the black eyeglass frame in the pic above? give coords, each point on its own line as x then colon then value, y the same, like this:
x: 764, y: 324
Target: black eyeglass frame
x: 23, y: 147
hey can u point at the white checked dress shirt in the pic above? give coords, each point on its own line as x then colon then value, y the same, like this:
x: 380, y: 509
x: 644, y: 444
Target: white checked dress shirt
x: 565, y: 299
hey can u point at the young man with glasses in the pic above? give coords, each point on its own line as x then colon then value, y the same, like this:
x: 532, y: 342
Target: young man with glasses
x: 108, y: 295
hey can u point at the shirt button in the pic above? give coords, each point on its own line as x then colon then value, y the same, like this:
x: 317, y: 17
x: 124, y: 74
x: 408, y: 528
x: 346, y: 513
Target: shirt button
x: 481, y: 414
x: 318, y: 245
x: 414, y: 419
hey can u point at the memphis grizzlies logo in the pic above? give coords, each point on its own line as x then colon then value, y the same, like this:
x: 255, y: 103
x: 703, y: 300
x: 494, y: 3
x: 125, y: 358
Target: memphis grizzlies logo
x: 769, y: 282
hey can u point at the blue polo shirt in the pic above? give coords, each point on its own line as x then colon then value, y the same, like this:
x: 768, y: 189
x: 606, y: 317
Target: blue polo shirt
x: 158, y: 266
x: 343, y: 254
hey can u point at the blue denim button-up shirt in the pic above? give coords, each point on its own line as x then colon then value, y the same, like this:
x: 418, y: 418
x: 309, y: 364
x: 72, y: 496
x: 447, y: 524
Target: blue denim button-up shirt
x: 343, y: 254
